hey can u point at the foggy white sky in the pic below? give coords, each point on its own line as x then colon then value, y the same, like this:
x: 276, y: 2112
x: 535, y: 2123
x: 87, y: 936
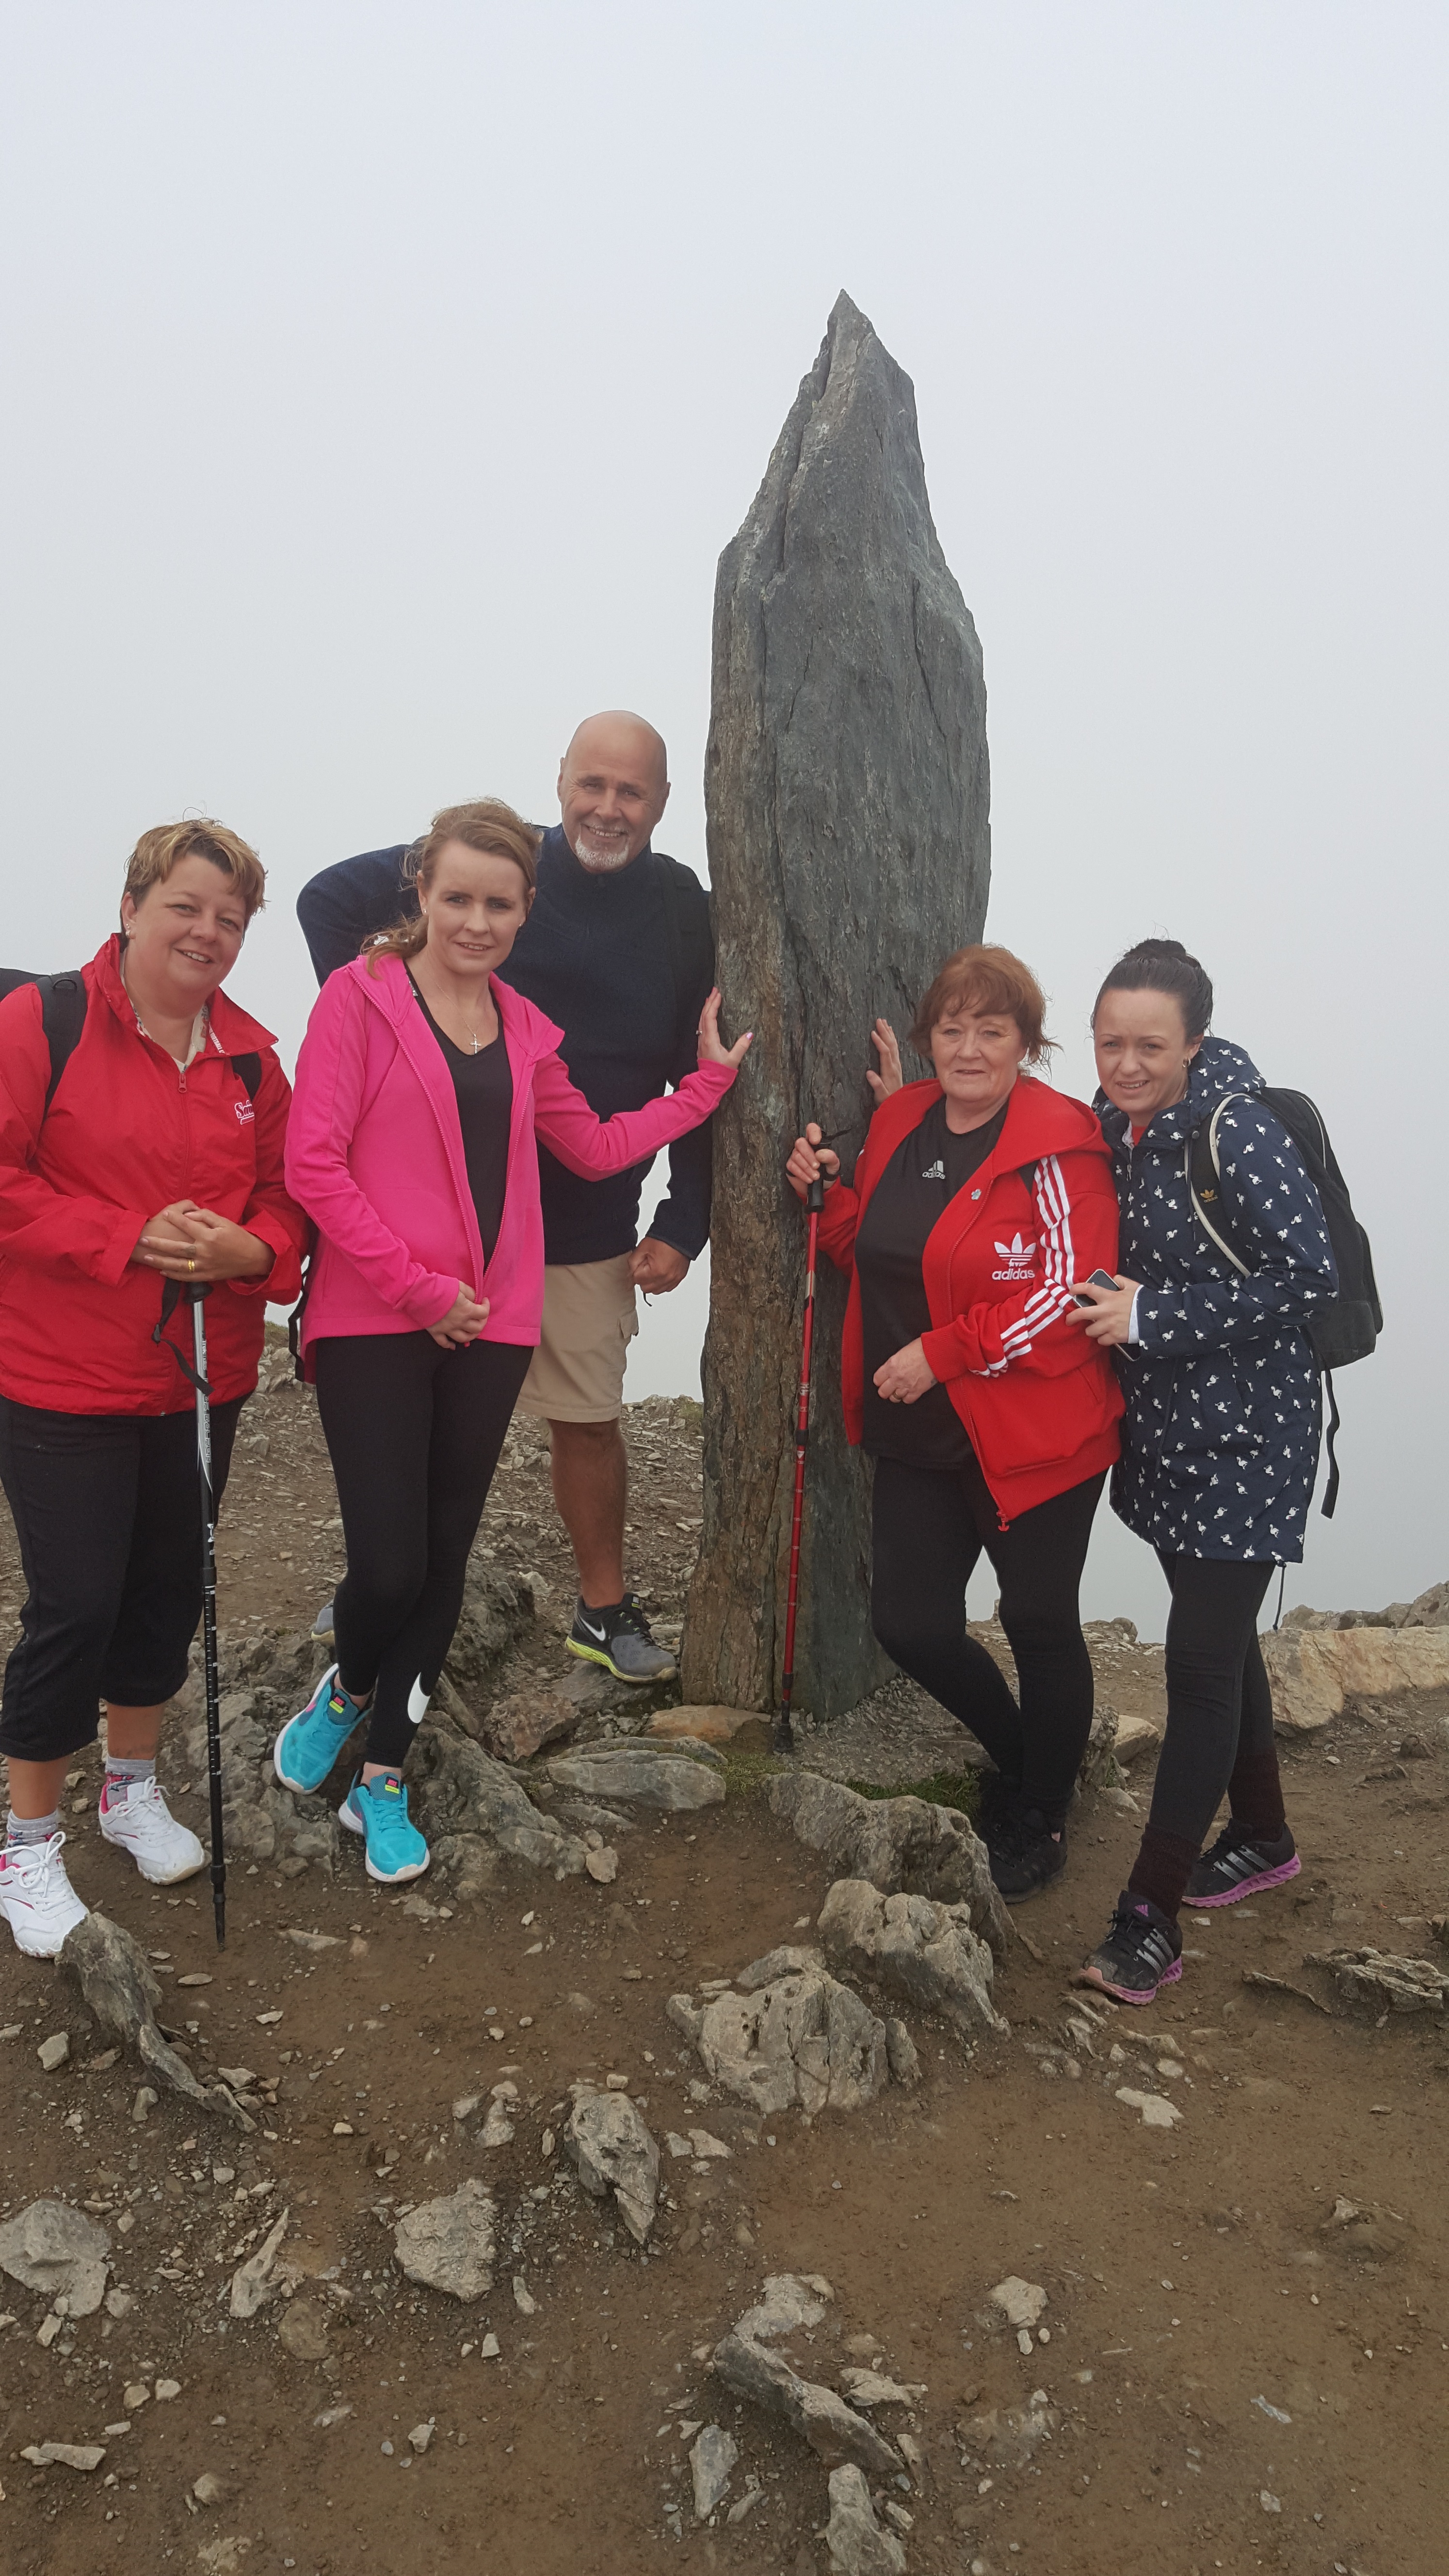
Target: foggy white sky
x: 383, y: 383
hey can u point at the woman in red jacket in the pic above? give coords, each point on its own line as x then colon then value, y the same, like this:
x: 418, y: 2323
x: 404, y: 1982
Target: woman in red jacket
x: 978, y: 1197
x: 156, y: 1156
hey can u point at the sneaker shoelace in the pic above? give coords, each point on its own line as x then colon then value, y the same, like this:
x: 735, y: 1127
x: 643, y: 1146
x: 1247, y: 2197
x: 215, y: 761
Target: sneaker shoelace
x: 29, y: 1861
x: 632, y: 1617
x: 1153, y: 1944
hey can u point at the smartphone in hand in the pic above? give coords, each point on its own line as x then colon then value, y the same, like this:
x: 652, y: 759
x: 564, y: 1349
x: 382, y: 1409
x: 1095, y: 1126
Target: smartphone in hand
x: 1095, y: 1279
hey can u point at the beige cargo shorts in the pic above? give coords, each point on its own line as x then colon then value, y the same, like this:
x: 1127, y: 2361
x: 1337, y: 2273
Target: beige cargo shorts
x: 590, y: 1316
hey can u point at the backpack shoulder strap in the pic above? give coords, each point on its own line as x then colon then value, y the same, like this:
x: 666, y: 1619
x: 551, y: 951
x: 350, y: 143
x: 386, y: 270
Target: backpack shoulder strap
x: 1202, y: 1170
x: 674, y: 938
x: 62, y: 1017
x: 248, y: 1070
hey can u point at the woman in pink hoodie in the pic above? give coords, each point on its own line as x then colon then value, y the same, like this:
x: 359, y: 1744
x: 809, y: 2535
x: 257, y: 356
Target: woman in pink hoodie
x: 421, y: 1087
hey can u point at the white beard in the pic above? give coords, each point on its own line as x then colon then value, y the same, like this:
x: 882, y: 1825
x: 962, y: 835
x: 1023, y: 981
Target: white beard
x: 600, y: 859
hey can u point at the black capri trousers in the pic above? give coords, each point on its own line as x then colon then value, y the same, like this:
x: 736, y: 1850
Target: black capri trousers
x: 107, y: 1510
x: 414, y: 1433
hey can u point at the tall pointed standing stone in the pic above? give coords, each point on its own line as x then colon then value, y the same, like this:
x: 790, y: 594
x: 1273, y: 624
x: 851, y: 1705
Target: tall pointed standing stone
x: 847, y: 796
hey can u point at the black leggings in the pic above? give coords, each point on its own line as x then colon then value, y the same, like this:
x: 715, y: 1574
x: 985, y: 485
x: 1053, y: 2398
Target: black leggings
x: 414, y: 1433
x: 107, y: 1510
x: 930, y: 1526
x: 1219, y: 1721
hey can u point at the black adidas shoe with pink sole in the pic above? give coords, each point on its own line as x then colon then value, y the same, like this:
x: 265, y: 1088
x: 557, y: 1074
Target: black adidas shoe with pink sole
x: 1141, y: 1954
x: 1237, y: 1866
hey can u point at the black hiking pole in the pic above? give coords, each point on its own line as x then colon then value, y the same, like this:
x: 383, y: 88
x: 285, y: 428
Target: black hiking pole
x: 782, y: 1734
x: 172, y: 1295
x: 194, y: 1298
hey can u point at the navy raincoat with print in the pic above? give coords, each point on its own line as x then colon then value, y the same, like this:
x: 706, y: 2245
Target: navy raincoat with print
x: 1224, y: 1408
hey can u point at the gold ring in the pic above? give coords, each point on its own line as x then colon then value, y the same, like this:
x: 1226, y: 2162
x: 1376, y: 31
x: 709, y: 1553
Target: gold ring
x: 191, y: 1266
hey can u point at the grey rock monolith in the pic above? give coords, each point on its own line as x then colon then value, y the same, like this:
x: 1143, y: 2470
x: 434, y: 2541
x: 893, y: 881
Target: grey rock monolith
x: 847, y: 801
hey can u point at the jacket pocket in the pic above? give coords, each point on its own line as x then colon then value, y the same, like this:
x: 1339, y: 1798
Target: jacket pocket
x: 1211, y: 1412
x: 1066, y: 1415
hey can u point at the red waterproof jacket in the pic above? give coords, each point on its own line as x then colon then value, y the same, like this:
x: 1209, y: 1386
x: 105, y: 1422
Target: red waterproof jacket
x: 126, y: 1133
x: 1039, y: 1401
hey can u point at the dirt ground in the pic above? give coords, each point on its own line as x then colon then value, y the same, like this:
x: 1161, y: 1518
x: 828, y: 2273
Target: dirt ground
x: 1236, y: 2378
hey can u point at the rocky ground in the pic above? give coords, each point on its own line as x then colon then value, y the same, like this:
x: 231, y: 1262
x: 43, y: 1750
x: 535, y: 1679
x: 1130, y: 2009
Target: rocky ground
x: 1052, y: 2285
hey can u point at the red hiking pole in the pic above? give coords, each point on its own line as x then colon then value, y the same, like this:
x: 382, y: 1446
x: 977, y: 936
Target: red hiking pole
x: 782, y: 1734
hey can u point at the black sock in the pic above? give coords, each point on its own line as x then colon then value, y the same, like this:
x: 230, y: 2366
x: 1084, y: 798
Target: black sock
x: 1255, y: 1796
x: 1162, y: 1868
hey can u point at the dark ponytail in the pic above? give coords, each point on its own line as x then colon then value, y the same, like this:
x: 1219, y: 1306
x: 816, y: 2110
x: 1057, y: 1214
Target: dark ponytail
x: 1164, y: 966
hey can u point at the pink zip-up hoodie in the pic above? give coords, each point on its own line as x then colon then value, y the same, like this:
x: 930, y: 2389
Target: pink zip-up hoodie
x: 375, y: 1156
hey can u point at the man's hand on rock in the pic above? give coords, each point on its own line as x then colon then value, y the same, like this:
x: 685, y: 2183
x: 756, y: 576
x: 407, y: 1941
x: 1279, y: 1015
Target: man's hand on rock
x: 656, y: 1267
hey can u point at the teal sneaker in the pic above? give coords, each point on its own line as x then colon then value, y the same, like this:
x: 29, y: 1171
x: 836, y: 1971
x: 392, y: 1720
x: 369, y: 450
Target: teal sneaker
x: 310, y: 1743
x: 378, y: 1810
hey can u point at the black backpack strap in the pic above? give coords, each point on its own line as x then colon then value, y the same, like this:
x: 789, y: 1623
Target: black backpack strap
x: 248, y: 1070
x: 1028, y: 1175
x: 674, y: 940
x: 62, y: 1017
x: 1330, y: 1491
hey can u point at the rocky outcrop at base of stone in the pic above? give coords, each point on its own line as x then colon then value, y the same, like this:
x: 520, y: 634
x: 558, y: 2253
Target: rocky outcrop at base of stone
x: 1315, y: 1672
x: 116, y: 1984
x: 470, y: 1807
x: 642, y: 1774
x: 896, y: 1843
x: 450, y: 2244
x: 612, y: 2150
x: 923, y: 1952
x: 266, y: 1679
x: 55, y: 2249
x: 803, y: 2041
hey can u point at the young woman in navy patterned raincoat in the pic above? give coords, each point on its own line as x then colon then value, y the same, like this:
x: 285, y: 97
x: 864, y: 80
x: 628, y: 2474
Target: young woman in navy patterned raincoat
x: 1221, y: 1437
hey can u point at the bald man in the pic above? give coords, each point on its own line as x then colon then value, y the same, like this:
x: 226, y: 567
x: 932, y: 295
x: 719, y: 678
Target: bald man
x: 617, y: 950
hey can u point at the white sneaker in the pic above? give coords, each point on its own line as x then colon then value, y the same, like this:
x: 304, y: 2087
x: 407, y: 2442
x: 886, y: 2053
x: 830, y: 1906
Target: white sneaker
x: 36, y: 1897
x: 142, y: 1824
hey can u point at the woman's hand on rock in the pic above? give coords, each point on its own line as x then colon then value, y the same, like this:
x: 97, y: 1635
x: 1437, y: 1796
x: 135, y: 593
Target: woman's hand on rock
x: 712, y: 1049
x: 810, y: 1159
x: 463, y: 1322
x: 890, y: 1077
x: 905, y: 1377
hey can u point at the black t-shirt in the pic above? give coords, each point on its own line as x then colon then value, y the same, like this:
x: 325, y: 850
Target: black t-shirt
x: 910, y: 1198
x: 484, y: 1087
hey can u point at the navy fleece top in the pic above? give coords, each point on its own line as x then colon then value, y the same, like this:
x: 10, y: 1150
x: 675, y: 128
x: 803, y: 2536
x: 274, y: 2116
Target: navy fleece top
x: 596, y: 954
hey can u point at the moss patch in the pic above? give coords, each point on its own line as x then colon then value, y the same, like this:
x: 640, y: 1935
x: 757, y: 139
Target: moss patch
x: 943, y: 1789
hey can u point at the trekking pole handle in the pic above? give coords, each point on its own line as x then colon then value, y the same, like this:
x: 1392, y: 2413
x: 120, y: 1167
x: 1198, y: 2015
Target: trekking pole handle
x: 815, y: 1195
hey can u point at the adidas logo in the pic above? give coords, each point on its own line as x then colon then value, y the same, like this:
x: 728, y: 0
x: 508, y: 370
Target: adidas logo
x: 935, y: 1171
x: 1018, y: 1257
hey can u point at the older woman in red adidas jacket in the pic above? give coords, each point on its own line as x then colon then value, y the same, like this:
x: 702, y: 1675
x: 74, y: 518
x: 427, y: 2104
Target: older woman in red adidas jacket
x: 978, y: 1198
x: 151, y: 1154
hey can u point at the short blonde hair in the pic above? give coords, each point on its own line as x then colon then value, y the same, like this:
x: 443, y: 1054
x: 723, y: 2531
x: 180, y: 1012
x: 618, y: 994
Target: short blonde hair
x: 157, y: 852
